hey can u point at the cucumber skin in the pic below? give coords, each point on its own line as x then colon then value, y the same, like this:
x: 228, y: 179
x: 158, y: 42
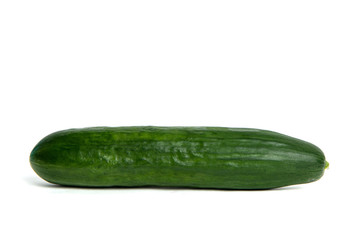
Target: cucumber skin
x: 190, y: 157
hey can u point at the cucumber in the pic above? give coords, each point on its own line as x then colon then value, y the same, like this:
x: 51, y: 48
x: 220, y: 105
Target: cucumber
x: 190, y: 157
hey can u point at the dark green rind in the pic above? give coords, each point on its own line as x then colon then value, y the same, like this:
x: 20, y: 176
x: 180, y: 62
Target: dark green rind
x: 195, y: 157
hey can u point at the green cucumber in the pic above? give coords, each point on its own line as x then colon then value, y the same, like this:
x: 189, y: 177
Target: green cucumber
x: 191, y: 157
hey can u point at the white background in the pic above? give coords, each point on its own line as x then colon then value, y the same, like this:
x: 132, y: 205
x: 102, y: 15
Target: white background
x: 286, y: 66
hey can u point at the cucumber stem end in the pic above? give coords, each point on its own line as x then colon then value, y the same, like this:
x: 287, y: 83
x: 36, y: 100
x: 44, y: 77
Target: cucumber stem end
x: 326, y: 164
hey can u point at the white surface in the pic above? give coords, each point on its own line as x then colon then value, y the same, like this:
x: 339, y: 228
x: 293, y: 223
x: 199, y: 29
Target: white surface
x: 286, y: 66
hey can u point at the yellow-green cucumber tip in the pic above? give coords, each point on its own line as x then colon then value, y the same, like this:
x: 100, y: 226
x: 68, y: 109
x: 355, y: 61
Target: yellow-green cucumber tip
x: 326, y: 164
